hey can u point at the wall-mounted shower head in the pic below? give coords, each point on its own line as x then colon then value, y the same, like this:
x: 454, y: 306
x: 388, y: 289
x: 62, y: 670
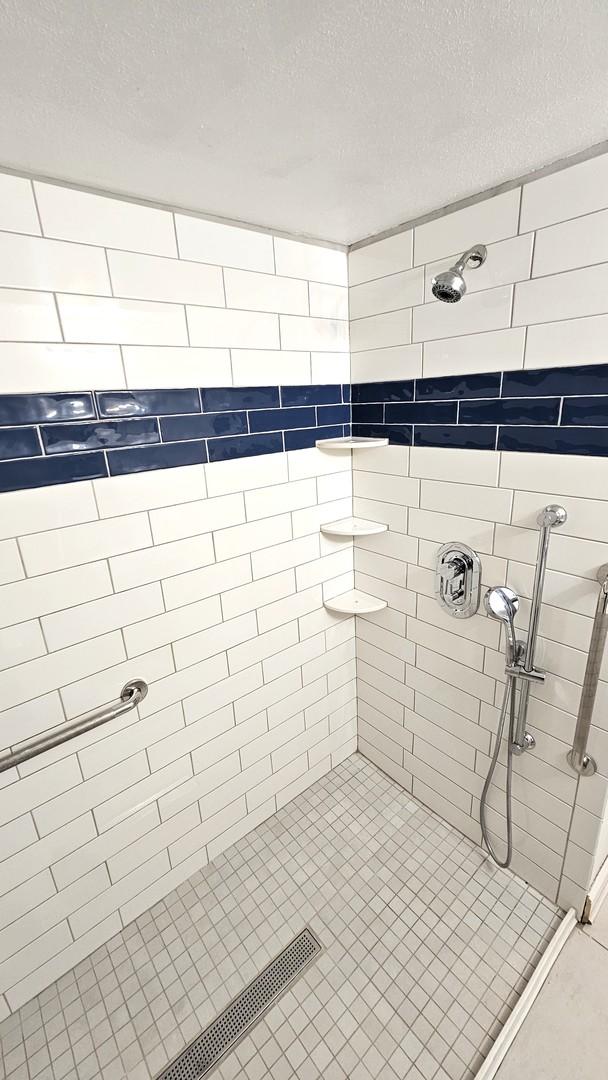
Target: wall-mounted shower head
x: 450, y: 285
x: 503, y: 604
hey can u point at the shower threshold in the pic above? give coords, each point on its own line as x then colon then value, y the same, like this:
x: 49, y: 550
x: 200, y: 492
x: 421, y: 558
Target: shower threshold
x: 427, y: 947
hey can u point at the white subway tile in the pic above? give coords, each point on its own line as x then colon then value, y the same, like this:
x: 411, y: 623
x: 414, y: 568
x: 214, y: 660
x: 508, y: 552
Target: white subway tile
x: 309, y: 520
x: 252, y: 536
x: 18, y: 902
x: 123, y: 741
x: 582, y: 241
x: 191, y: 518
x: 301, y: 652
x: 330, y: 367
x: 264, y: 292
x: 30, y: 718
x: 587, y: 518
x: 242, y: 474
x: 301, y: 260
x: 28, y: 316
x: 11, y: 568
x: 290, y: 697
x: 30, y: 262
x: 224, y: 245
x: 321, y: 335
x: 17, y: 206
x: 48, y: 945
x: 443, y: 693
x: 496, y: 349
x: 479, y: 466
x: 55, y: 670
x: 467, y: 500
x: 567, y: 343
x: 139, y: 567
x: 328, y: 301
x: 199, y: 583
x: 236, y: 737
x: 580, y: 189
x: 264, y: 502
x: 385, y: 487
x: 383, y: 459
x: 383, y: 257
x: 472, y: 682
x: 313, y: 573
x: 489, y: 310
x: 222, y: 636
x: 453, y: 645
x: 249, y: 597
x: 430, y: 525
x: 579, y: 476
x: 118, y: 495
x: 314, y: 462
x: 488, y: 220
x: 21, y: 643
x: 126, y: 322
x: 14, y: 837
x: 284, y: 556
x: 334, y: 486
x: 125, y: 889
x: 261, y: 367
x: 507, y: 261
x: 167, y: 367
x: 225, y: 691
x: 27, y: 367
x: 190, y: 737
x: 65, y: 842
x: 218, y: 327
x: 192, y: 681
x: 118, y: 800
x: 387, y: 294
x: 32, y: 791
x: 46, y: 508
x: 154, y: 842
x: 291, y: 607
x: 381, y: 331
x: 95, y: 219
x: 95, y: 617
x: 62, y: 548
x: 398, y: 362
x: 148, y: 277
x: 265, y: 645
x: 169, y: 627
x: 567, y: 295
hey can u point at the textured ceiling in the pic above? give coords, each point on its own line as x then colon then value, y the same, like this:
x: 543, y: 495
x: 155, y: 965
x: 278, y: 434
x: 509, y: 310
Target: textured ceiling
x: 330, y: 118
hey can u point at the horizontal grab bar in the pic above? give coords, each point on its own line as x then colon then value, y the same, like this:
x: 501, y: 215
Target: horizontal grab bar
x: 578, y: 758
x: 130, y: 696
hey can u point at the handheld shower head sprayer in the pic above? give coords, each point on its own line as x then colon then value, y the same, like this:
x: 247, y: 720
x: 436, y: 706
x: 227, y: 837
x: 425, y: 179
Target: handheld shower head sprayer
x: 450, y: 285
x: 503, y: 604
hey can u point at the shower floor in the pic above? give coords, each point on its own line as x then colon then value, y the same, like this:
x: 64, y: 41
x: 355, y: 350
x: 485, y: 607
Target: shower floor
x: 427, y: 947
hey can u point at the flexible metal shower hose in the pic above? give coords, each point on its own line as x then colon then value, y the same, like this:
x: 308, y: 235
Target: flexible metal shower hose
x: 508, y: 700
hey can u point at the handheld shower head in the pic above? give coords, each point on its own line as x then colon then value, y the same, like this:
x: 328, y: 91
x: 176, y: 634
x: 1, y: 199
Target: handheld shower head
x: 503, y: 604
x: 450, y: 285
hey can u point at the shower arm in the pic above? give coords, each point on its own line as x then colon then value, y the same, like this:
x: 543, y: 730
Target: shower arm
x: 551, y: 517
x: 476, y: 255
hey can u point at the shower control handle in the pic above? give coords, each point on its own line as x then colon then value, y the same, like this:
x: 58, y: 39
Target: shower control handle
x: 458, y: 579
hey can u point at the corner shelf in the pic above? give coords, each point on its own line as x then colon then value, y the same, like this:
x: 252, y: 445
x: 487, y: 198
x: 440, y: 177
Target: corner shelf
x: 353, y: 526
x: 354, y: 602
x: 349, y: 442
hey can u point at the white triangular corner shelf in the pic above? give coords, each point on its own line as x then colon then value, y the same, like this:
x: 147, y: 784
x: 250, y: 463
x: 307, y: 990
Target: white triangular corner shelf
x: 350, y: 442
x: 354, y: 602
x: 353, y: 526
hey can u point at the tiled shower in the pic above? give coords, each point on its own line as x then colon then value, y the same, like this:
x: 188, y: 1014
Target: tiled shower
x: 165, y: 380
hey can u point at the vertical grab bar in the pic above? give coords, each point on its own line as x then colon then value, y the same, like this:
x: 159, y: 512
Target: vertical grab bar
x: 549, y: 518
x: 578, y: 758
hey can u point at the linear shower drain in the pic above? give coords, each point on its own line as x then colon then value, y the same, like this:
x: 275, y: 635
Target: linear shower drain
x: 223, y: 1033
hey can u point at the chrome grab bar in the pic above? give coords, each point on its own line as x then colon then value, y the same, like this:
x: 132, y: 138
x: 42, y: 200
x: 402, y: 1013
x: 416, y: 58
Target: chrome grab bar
x: 578, y: 758
x: 130, y: 696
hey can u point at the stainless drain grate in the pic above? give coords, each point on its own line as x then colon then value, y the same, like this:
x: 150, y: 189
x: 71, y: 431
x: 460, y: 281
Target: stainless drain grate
x: 223, y: 1033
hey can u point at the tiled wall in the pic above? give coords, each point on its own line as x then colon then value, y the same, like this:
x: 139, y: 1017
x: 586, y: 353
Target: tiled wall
x: 530, y: 337
x: 206, y: 579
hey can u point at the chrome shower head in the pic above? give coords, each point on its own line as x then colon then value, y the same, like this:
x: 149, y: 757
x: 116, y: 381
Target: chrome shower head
x: 503, y: 604
x: 450, y: 285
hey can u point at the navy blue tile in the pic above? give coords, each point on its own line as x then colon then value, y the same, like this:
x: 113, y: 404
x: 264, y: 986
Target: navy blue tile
x: 38, y: 472
x: 567, y: 381
x: 510, y: 411
x: 203, y: 425
x: 333, y: 414
x: 45, y: 408
x: 302, y: 438
x: 399, y: 390
x: 422, y: 412
x: 346, y: 392
x: 19, y: 442
x: 280, y: 419
x: 592, y: 411
x: 221, y: 398
x: 555, y: 440
x: 245, y: 446
x: 118, y: 403
x: 459, y: 386
x: 161, y: 456
x: 471, y: 438
x: 367, y: 414
x: 398, y: 436
x: 310, y: 395
x: 99, y: 435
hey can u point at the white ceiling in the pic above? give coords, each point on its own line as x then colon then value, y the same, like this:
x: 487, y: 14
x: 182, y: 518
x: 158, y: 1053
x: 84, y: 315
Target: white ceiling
x: 330, y: 118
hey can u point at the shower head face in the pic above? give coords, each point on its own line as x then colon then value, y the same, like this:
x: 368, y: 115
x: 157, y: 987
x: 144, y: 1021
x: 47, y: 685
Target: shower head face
x: 503, y: 604
x: 449, y: 286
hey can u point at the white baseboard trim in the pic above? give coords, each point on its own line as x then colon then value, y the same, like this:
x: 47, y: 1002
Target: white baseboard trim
x: 497, y: 1054
x: 598, y: 891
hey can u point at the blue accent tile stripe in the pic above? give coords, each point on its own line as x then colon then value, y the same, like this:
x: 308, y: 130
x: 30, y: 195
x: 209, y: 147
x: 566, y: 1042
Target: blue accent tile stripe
x: 57, y: 438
